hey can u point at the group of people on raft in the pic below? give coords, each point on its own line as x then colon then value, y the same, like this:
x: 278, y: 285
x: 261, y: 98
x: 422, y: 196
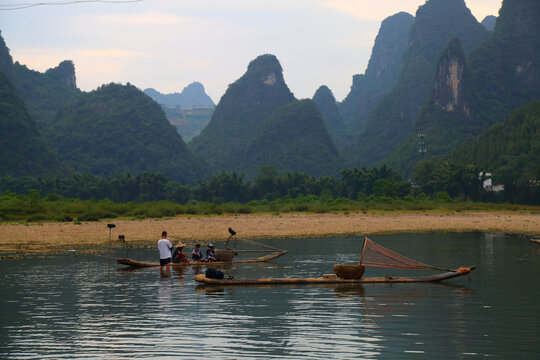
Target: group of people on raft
x: 167, y: 255
x: 196, y: 255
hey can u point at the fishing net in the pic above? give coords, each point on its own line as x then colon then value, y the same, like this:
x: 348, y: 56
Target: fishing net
x: 378, y: 256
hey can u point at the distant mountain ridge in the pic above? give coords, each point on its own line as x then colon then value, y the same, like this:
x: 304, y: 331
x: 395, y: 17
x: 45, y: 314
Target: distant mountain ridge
x: 43, y: 93
x: 189, y: 111
x: 382, y: 72
x: 441, y: 75
x: 489, y: 22
x: 445, y: 119
x: 506, y: 67
x: 23, y: 151
x: 259, y: 122
x: 500, y: 75
x: 113, y: 129
x: 117, y: 129
x: 245, y: 104
x: 193, y: 94
x: 327, y: 105
x: 293, y: 138
x: 392, y: 120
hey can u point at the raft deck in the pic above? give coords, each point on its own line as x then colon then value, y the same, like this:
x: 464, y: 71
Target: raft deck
x: 142, y: 264
x: 329, y: 279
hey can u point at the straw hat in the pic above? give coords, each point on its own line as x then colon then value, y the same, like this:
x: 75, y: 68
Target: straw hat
x: 181, y: 245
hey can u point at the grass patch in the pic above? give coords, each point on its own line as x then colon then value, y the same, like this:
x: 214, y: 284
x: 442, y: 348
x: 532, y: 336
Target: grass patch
x: 18, y: 208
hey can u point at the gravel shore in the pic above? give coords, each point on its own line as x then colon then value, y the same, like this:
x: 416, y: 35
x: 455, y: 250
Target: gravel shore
x: 52, y: 237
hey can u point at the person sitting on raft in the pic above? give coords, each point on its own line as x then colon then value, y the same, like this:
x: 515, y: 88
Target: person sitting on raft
x: 179, y: 256
x: 196, y: 254
x: 210, y: 253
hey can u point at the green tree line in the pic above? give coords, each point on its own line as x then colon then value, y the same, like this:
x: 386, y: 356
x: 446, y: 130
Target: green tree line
x: 430, y: 178
x: 86, y: 197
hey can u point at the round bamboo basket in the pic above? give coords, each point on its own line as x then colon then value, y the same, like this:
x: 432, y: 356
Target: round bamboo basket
x: 225, y: 255
x: 345, y: 271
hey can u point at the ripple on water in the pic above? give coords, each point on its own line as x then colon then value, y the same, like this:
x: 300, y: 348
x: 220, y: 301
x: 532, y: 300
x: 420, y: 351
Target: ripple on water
x: 82, y: 307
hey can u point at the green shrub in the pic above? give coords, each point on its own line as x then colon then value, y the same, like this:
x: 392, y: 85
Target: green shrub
x: 37, y: 217
x: 88, y: 216
x: 443, y: 196
x: 244, y: 210
x: 63, y: 218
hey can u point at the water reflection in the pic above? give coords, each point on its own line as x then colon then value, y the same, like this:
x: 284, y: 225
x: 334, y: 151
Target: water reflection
x: 73, y: 307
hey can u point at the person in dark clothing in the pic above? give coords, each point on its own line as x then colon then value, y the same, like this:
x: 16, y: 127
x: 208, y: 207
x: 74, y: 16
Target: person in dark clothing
x: 179, y: 256
x: 210, y: 253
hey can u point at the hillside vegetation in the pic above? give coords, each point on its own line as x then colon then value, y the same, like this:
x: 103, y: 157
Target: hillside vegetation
x: 22, y: 149
x: 436, y: 23
x: 117, y: 128
x: 511, y: 151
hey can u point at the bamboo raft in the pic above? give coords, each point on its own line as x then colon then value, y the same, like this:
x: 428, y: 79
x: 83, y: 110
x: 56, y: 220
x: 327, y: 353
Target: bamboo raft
x: 333, y: 279
x: 143, y: 264
x: 373, y: 255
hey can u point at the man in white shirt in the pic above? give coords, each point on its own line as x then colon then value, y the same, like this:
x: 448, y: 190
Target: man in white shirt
x: 165, y: 247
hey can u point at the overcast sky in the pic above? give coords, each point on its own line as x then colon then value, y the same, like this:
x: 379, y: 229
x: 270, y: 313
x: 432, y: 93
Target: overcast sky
x: 167, y: 44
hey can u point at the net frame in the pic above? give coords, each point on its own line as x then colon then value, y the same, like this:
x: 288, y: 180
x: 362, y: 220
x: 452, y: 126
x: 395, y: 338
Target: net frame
x: 398, y: 261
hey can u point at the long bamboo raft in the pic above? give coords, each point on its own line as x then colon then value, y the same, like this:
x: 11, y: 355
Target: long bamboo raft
x: 142, y: 264
x: 332, y: 279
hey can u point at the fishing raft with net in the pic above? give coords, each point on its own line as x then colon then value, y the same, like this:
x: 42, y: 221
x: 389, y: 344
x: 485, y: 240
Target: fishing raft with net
x: 223, y: 256
x: 372, y: 255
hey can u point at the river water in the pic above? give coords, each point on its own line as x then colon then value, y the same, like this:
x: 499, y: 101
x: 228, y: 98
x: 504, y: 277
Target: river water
x: 77, y: 306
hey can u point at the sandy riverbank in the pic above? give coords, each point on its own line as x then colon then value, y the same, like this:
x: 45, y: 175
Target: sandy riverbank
x: 51, y: 237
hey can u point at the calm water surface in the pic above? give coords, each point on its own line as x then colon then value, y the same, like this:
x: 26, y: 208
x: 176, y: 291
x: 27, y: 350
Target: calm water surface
x: 84, y: 306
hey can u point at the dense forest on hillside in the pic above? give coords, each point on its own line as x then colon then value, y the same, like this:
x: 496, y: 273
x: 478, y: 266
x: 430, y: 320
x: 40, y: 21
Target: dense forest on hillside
x: 22, y: 149
x: 392, y: 120
x: 293, y: 137
x: 474, y: 92
x: 328, y: 107
x: 511, y: 151
x: 506, y: 66
x: 444, y: 121
x: 246, y: 103
x: 410, y: 87
x: 43, y: 93
x: 117, y: 128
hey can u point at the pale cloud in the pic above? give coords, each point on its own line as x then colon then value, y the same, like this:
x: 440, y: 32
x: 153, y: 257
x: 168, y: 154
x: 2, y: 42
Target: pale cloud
x: 93, y: 66
x: 166, y: 44
x: 154, y: 19
x: 106, y: 53
x: 372, y: 9
x: 362, y: 40
x: 379, y: 9
x: 483, y: 8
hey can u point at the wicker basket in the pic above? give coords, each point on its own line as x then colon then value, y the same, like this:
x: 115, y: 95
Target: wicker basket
x: 344, y: 271
x: 225, y: 255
